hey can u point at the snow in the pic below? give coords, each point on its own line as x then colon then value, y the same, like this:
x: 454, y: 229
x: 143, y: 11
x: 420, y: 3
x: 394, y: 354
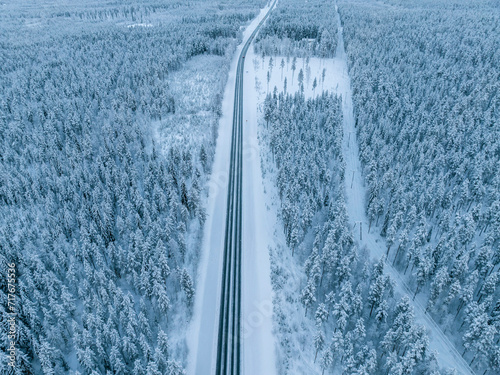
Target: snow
x: 268, y: 231
x: 336, y: 80
x: 194, y: 87
x: 261, y: 229
x: 262, y: 207
x: 315, y: 66
x: 258, y: 339
x: 447, y: 357
x: 202, y: 335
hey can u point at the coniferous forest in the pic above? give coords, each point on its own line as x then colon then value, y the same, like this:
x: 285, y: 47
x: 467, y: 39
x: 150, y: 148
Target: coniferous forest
x: 427, y: 106
x: 298, y: 28
x: 425, y: 84
x: 357, y: 319
x: 102, y: 221
x: 114, y: 125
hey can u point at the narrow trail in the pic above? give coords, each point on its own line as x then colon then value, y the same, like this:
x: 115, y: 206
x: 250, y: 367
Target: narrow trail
x: 448, y: 356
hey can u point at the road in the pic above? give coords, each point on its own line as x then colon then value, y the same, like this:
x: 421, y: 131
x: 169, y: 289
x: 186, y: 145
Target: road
x: 448, y: 356
x: 228, y: 359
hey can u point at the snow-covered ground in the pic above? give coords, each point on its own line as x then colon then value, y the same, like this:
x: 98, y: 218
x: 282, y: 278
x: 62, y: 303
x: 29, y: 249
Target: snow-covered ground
x: 336, y: 80
x: 258, y: 346
x: 258, y: 339
x: 261, y: 228
x: 193, y: 87
x: 268, y: 234
x: 448, y: 356
x: 312, y: 69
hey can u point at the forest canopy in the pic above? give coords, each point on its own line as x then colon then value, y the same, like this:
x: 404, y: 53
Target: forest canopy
x: 102, y: 221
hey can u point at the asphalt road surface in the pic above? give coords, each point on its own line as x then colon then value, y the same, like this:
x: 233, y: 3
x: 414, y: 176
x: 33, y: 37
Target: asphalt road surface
x: 229, y: 332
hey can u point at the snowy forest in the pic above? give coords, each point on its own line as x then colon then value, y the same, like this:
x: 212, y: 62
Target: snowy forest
x: 102, y: 221
x: 427, y: 105
x: 298, y: 28
x: 359, y: 326
x: 425, y: 85
x: 114, y: 118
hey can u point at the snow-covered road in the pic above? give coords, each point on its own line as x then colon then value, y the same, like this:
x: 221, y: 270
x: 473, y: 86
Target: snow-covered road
x: 257, y: 338
x: 448, y: 356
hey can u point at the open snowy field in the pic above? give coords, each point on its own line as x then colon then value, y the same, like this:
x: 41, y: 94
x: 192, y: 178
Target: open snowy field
x: 328, y: 73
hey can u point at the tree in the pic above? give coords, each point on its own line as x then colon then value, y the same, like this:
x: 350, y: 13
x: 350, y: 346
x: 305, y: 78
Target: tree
x: 483, y: 260
x: 301, y: 80
x: 495, y: 317
x: 326, y: 44
x: 382, y: 312
x: 402, y: 325
x: 438, y: 284
x: 294, y: 239
x: 330, y: 255
x: 294, y: 66
x: 488, y: 287
x: 308, y: 295
x: 342, y: 309
x: 467, y: 292
x: 376, y: 292
x: 162, y: 298
x: 390, y: 238
x: 174, y: 368
x: 319, y: 342
x: 187, y: 286
x: 321, y: 314
x: 326, y: 360
x: 269, y: 107
x: 480, y: 333
x: 204, y: 158
x: 403, y: 241
x: 494, y: 359
x: 423, y: 269
x: 45, y: 354
x: 116, y: 360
